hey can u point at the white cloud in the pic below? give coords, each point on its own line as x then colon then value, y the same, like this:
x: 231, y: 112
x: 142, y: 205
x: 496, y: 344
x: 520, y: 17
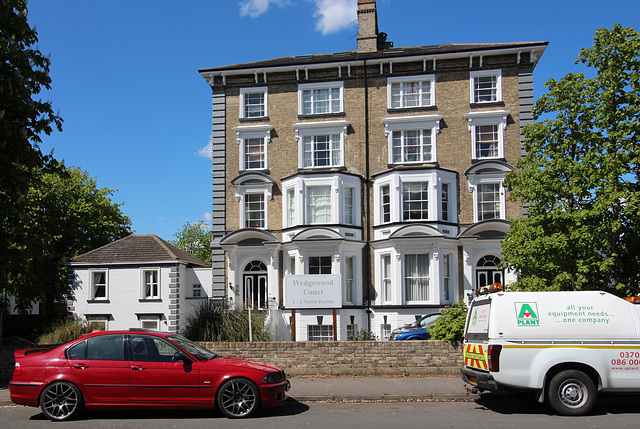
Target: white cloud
x: 335, y: 15
x: 205, y: 152
x: 255, y: 8
x: 207, y: 217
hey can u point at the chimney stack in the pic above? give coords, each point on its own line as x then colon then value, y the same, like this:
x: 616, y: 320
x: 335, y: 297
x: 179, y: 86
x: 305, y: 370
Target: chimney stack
x: 367, y: 26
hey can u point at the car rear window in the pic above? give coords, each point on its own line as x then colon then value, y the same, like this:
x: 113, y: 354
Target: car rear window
x: 477, y: 327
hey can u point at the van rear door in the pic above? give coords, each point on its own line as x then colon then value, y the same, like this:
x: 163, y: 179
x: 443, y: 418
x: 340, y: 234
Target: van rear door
x: 476, y: 334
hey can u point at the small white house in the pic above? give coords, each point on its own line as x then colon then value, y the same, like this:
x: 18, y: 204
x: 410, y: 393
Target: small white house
x: 138, y: 281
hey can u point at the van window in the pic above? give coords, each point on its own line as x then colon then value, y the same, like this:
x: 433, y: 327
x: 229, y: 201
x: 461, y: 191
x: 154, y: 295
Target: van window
x: 478, y: 320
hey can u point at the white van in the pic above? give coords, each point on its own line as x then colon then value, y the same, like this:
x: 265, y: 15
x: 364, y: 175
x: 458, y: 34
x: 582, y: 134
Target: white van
x: 564, y: 345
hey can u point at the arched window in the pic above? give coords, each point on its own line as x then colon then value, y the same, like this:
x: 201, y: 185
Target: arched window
x: 487, y: 271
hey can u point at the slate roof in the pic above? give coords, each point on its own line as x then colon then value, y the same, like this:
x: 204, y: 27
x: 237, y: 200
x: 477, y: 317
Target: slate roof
x: 137, y: 249
x: 354, y: 55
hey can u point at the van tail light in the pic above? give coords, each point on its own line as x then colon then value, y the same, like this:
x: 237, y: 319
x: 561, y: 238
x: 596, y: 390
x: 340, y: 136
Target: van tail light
x: 17, y: 369
x: 494, y: 357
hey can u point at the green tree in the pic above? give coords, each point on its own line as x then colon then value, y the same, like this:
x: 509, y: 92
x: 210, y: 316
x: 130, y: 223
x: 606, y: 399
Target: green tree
x: 450, y: 327
x: 24, y: 73
x: 194, y: 238
x: 580, y: 177
x: 67, y: 215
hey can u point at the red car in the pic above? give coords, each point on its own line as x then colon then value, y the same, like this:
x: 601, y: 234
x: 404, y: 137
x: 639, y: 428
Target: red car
x: 141, y: 369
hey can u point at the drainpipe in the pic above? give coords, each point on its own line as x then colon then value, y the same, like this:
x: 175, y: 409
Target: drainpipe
x: 367, y: 199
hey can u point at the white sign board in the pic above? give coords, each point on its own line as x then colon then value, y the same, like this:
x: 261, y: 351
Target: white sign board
x: 313, y: 291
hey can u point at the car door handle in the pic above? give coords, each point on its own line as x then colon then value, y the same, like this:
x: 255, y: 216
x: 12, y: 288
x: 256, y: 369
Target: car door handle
x: 80, y: 366
x: 138, y: 368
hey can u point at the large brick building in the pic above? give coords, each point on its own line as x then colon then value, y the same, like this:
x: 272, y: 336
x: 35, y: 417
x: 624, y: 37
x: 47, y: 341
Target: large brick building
x: 380, y: 168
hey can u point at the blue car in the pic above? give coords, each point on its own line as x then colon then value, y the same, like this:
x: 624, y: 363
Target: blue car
x: 416, y: 330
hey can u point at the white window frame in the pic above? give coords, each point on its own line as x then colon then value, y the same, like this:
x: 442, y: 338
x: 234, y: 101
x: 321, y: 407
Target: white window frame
x: 92, y: 292
x: 412, y: 79
x: 386, y: 278
x: 450, y: 203
x: 429, y: 201
x: 485, y: 73
x: 149, y: 322
x: 450, y: 276
x: 241, y: 197
x: 260, y: 90
x: 289, y: 209
x: 253, y: 132
x: 319, y: 86
x: 299, y: 186
x: 502, y: 202
x: 321, y: 332
x: 307, y: 206
x: 497, y: 118
x: 349, y: 206
x: 247, y: 211
x: 197, y: 291
x: 310, y: 129
x: 143, y: 282
x: 429, y: 286
x: 350, y: 283
x: 413, y: 123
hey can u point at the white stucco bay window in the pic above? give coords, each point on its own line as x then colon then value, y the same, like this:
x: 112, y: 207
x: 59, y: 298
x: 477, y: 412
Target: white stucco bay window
x: 412, y: 139
x: 487, y: 133
x: 321, y: 144
x: 411, y: 91
x: 415, y: 196
x: 321, y: 199
x: 253, y: 142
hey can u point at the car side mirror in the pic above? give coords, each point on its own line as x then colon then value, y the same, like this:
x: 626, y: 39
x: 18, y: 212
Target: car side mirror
x: 181, y: 357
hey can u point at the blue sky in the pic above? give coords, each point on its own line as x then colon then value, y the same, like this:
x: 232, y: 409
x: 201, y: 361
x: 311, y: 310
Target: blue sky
x: 137, y: 115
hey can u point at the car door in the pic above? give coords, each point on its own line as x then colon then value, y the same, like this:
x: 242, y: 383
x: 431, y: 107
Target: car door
x: 156, y: 378
x: 99, y: 363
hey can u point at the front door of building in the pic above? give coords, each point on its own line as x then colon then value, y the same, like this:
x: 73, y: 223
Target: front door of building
x: 255, y: 286
x: 487, y: 272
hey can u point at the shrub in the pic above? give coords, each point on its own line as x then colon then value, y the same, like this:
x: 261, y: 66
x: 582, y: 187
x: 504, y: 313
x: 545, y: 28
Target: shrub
x: 215, y: 321
x: 450, y: 327
x: 363, y: 335
x: 67, y: 330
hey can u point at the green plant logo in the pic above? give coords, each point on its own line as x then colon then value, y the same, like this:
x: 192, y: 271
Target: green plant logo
x: 527, y: 314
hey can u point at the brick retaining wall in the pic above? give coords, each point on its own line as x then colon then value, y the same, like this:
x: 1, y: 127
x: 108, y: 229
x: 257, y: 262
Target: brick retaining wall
x: 351, y: 357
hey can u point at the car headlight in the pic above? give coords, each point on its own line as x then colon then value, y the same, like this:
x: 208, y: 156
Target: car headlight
x: 272, y: 377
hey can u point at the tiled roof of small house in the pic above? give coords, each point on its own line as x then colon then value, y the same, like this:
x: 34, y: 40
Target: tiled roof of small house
x: 138, y: 248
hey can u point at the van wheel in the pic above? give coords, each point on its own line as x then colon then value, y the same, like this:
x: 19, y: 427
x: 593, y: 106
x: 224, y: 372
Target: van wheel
x: 571, y: 393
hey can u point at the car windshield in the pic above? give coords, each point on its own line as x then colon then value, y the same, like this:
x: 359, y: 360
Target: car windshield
x: 192, y: 348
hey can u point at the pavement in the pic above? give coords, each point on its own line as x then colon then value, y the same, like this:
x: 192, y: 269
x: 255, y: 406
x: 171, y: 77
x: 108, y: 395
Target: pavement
x: 314, y: 389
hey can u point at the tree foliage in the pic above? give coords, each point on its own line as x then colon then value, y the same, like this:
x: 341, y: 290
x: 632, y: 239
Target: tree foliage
x: 580, y: 176
x: 67, y: 215
x: 194, y: 238
x: 24, y: 73
x: 450, y: 327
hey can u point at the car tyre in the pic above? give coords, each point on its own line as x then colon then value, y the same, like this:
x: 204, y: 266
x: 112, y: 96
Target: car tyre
x: 61, y: 400
x: 571, y: 393
x: 238, y: 397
